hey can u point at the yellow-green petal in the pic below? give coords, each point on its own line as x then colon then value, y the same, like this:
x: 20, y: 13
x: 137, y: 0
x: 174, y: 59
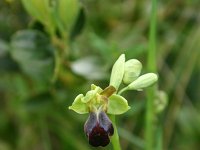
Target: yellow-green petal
x: 78, y: 106
x: 89, y: 95
x: 117, y: 105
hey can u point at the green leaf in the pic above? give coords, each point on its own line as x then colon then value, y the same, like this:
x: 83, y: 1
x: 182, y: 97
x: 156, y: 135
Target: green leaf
x: 68, y: 12
x: 30, y: 8
x: 78, y: 25
x: 33, y: 52
x: 78, y: 106
x: 117, y: 72
x: 41, y: 11
x: 117, y: 105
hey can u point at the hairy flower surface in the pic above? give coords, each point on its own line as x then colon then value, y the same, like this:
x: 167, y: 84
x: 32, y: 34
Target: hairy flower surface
x: 98, y: 103
x: 98, y: 128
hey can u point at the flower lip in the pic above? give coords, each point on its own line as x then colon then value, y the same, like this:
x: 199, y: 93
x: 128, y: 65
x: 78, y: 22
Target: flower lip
x: 98, y: 129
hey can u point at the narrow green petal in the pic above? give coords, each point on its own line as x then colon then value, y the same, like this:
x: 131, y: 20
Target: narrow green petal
x: 78, y: 106
x: 117, y: 105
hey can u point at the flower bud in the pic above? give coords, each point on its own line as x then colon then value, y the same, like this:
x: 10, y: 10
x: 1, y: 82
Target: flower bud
x: 98, y: 129
x: 143, y: 81
x: 161, y: 101
x: 117, y: 72
x: 132, y: 70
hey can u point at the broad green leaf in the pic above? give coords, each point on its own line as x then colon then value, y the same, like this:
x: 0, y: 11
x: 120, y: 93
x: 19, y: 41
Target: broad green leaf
x: 93, y: 87
x: 143, y: 81
x: 117, y: 105
x: 78, y: 106
x: 30, y: 8
x: 132, y: 70
x: 78, y: 24
x: 33, y: 52
x: 68, y: 12
x: 117, y: 72
x: 41, y: 11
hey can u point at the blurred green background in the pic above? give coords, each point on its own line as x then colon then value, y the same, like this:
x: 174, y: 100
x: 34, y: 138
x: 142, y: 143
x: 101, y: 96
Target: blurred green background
x: 34, y: 111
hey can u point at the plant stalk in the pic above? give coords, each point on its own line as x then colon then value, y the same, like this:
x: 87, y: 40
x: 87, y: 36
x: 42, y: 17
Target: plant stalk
x: 115, y: 138
x: 149, y: 132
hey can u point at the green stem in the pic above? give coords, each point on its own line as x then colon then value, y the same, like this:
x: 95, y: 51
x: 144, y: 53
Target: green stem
x: 59, y: 55
x: 152, y: 38
x: 149, y: 133
x: 115, y: 138
x: 123, y: 90
x: 57, y: 66
x: 149, y: 120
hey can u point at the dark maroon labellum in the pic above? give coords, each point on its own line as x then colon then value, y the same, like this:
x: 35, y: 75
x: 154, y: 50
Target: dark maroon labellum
x: 98, y: 129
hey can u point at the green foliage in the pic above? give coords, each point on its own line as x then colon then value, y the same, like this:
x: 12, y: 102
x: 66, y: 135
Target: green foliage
x: 33, y: 112
x: 34, y: 53
x: 54, y: 15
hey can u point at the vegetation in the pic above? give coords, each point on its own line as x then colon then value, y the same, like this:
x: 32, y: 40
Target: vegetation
x: 51, y: 51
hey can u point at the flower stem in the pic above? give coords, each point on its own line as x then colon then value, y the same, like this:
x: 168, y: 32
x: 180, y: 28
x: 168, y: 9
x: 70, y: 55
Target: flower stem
x: 123, y: 90
x: 149, y: 133
x: 57, y: 66
x: 115, y: 138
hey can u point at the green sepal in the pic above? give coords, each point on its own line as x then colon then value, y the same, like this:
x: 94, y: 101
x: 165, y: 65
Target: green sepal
x: 117, y: 105
x: 117, y: 72
x: 78, y: 106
